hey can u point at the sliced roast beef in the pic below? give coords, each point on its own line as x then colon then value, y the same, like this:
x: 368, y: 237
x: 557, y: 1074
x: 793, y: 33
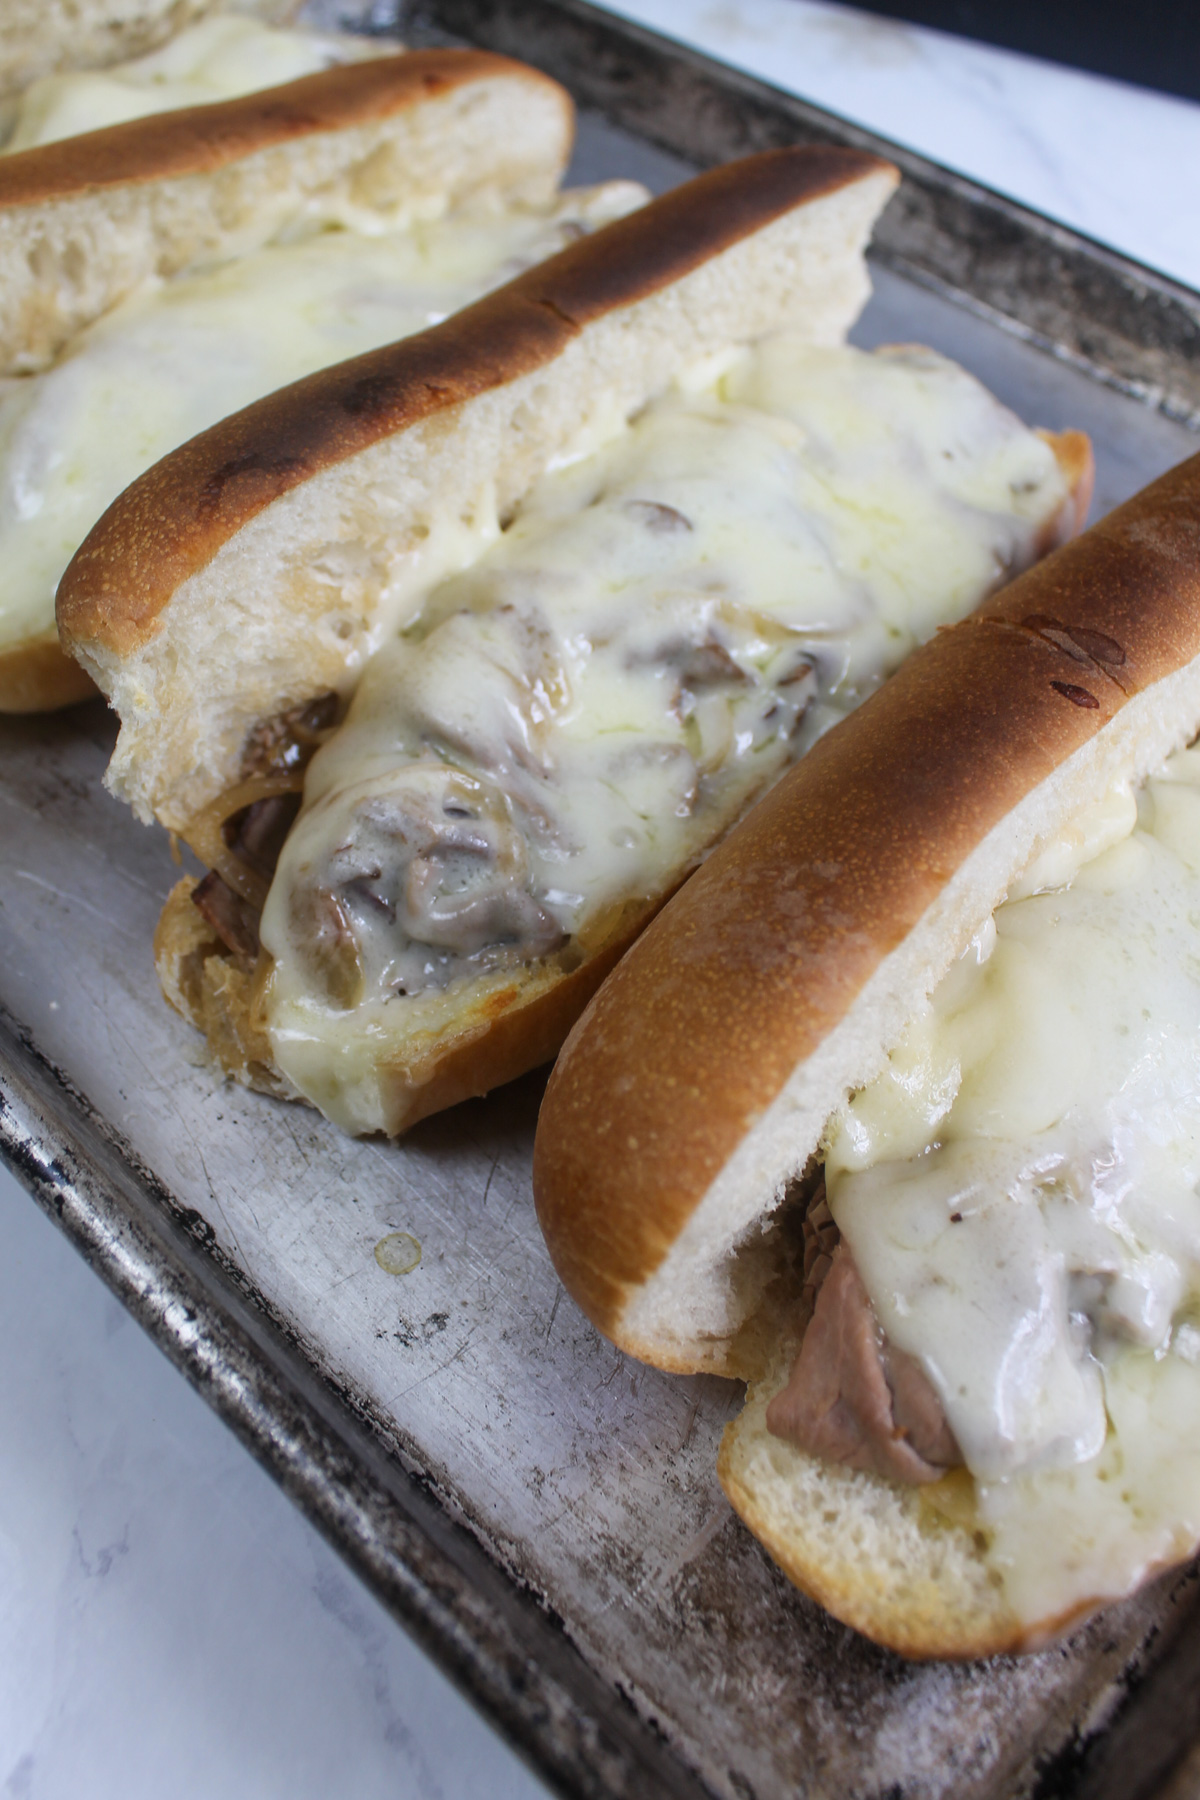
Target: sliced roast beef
x: 232, y: 918
x: 852, y: 1397
x: 256, y: 835
x: 288, y: 741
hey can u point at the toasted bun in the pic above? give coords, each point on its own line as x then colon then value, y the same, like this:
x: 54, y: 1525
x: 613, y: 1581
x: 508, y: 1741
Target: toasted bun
x: 37, y: 675
x: 261, y: 551
x: 512, y: 1023
x: 44, y: 37
x: 83, y: 220
x: 701, y: 1078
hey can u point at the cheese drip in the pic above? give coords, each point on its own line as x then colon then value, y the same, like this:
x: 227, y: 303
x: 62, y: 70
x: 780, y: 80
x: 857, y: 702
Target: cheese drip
x: 217, y: 59
x: 574, y: 719
x: 1019, y: 1190
x: 179, y: 355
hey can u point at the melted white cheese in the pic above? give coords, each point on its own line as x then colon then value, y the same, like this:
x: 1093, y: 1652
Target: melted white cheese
x: 1019, y: 1189
x: 216, y: 59
x: 179, y: 355
x: 665, y: 624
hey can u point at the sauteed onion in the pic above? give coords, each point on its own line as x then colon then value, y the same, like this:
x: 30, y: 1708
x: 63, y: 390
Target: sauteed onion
x: 206, y: 837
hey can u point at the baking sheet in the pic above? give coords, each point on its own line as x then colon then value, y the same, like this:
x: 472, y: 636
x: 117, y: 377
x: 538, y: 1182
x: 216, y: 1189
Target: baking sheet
x: 548, y: 1516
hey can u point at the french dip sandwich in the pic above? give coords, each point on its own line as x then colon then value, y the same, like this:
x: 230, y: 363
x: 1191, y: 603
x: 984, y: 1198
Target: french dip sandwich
x: 160, y: 272
x: 218, y: 56
x: 895, y: 1113
x: 42, y: 38
x: 596, y: 559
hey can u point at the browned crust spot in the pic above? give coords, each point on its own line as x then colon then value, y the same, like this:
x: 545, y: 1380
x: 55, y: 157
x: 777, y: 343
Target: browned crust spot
x: 198, y: 139
x: 37, y: 675
x: 175, y: 518
x: 762, y: 953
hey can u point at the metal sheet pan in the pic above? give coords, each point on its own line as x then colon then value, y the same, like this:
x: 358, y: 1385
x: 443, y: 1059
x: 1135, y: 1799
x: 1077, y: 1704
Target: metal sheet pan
x: 542, y: 1511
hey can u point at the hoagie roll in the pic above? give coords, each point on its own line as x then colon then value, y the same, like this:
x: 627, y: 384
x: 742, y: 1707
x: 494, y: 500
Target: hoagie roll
x: 893, y: 1112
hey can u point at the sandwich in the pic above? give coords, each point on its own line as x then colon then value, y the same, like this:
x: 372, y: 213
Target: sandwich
x: 503, y: 627
x: 894, y: 1113
x: 42, y: 38
x: 217, y: 57
x: 161, y: 272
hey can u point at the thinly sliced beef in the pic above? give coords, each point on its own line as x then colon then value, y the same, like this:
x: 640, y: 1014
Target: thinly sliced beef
x: 288, y: 741
x: 256, y: 836
x: 234, y: 921
x: 852, y: 1397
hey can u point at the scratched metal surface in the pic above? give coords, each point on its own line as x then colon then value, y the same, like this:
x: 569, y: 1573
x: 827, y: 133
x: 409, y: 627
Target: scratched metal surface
x: 587, y: 1479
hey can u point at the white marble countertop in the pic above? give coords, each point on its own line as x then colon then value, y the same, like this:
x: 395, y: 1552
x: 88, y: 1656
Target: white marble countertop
x: 1114, y: 161
x: 167, y: 1620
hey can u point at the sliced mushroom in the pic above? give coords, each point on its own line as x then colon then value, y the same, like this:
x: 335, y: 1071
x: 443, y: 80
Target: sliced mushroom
x: 434, y: 863
x: 257, y: 835
x: 707, y: 665
x: 233, y: 920
x: 657, y: 517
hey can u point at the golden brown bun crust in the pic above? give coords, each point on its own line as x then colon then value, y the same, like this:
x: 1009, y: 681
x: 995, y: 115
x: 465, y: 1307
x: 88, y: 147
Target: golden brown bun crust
x: 510, y: 1032
x: 37, y: 675
x: 198, y: 139
x: 171, y: 521
x: 763, y: 951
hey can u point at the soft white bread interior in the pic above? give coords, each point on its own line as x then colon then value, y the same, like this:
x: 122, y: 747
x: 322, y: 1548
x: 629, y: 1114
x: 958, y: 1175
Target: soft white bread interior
x: 275, y: 551
x: 41, y: 37
x: 698, y: 1087
x: 874, y: 1553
